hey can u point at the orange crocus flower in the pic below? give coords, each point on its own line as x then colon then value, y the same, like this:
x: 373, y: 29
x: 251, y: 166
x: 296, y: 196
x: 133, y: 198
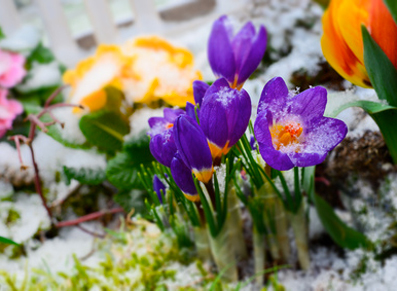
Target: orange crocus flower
x: 342, y: 42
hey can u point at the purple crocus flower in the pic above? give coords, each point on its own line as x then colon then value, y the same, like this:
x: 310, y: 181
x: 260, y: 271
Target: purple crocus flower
x: 292, y: 131
x: 235, y: 57
x: 159, y: 186
x: 193, y: 147
x: 224, y: 116
x: 162, y: 144
x: 183, y: 178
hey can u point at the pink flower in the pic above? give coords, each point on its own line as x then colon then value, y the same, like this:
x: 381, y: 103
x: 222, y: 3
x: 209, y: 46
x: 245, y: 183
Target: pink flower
x: 12, y: 69
x: 9, y: 109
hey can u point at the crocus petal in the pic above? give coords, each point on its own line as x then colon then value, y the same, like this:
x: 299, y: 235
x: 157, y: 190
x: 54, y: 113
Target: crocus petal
x: 220, y: 52
x: 191, y: 111
x: 199, y: 89
x: 273, y: 96
x: 242, y: 43
x: 213, y: 122
x: 163, y: 148
x: 158, y: 187
x: 325, y: 135
x: 171, y: 114
x: 161, y: 124
x: 183, y: 178
x: 224, y: 115
x: 193, y: 147
x: 310, y: 104
x: 254, y: 57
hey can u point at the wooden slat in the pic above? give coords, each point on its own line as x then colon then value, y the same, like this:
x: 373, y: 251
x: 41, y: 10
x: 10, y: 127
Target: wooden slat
x: 9, y: 18
x: 146, y: 16
x: 57, y: 28
x: 104, y: 26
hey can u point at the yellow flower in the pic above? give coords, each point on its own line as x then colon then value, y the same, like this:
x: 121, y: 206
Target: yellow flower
x: 93, y: 74
x: 342, y: 42
x: 145, y: 69
x: 159, y: 71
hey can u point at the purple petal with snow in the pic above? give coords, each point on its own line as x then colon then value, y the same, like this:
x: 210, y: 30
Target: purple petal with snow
x: 163, y: 148
x: 171, y: 114
x: 310, y: 104
x: 225, y: 114
x: 160, y: 124
x: 273, y: 96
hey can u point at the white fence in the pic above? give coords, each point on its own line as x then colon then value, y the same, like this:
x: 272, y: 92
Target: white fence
x: 147, y: 19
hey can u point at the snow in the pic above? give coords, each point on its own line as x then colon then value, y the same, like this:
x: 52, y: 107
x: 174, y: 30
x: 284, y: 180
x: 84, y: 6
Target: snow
x: 41, y: 76
x: 33, y: 217
x: 23, y: 40
x: 139, y: 120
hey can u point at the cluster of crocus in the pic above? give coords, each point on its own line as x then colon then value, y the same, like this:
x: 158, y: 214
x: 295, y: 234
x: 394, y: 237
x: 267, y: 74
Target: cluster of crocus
x: 291, y: 132
x: 195, y: 141
x: 342, y: 41
x: 193, y: 144
x: 145, y: 70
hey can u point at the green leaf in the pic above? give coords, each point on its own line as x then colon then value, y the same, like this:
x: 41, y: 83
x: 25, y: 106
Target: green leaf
x: 381, y: 72
x: 122, y: 170
x: 85, y: 175
x: 392, y: 6
x: 387, y: 120
x: 55, y: 132
x: 114, y: 98
x: 7, y: 241
x: 40, y: 54
x: 342, y: 234
x: 105, y: 129
x: 370, y: 107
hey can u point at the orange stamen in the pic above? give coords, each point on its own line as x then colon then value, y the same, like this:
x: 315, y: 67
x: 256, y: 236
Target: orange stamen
x: 285, y: 135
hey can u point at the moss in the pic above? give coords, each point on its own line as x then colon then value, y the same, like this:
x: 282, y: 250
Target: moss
x: 361, y: 269
x: 12, y: 217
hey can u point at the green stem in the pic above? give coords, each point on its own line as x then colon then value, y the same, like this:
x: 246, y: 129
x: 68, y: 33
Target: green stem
x: 259, y: 241
x: 223, y: 253
x: 282, y: 230
x: 299, y: 226
x: 202, y: 243
x: 234, y: 223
